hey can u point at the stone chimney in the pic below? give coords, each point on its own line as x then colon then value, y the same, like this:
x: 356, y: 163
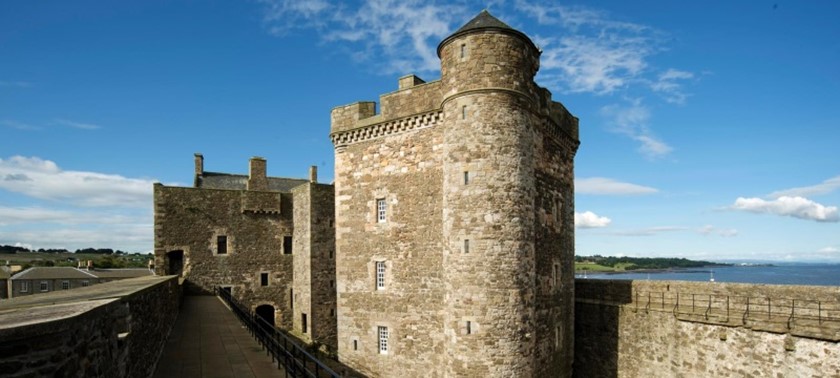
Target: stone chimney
x: 257, y: 179
x: 199, y: 167
x: 313, y: 174
x: 90, y: 265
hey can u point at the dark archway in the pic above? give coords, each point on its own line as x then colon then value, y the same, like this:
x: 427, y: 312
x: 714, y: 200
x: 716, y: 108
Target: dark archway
x: 266, y: 312
x: 175, y: 262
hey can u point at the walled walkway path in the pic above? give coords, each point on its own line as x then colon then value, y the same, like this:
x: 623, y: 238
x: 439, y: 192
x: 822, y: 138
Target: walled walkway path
x: 209, y: 341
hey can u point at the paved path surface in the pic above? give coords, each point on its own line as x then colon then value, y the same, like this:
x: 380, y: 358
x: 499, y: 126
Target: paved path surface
x: 209, y: 341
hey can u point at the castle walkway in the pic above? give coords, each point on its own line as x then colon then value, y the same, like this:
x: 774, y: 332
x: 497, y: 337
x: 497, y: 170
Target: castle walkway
x: 208, y: 340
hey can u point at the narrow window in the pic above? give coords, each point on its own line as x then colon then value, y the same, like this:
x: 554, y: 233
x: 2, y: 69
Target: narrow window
x: 287, y: 245
x: 556, y: 337
x: 332, y: 284
x: 469, y: 327
x: 355, y: 344
x: 331, y: 253
x: 24, y: 286
x: 291, y: 299
x: 380, y: 275
x: 303, y: 322
x: 466, y: 245
x: 381, y: 208
x: 263, y: 279
x: 332, y: 312
x: 45, y: 286
x: 383, y: 340
x: 85, y: 283
x: 463, y: 50
x: 557, y: 207
x: 464, y: 112
x: 65, y: 285
x: 221, y: 244
x: 556, y: 275
x: 466, y: 177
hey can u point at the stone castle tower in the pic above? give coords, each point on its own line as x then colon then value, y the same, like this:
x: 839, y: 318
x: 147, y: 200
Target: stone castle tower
x: 455, y: 218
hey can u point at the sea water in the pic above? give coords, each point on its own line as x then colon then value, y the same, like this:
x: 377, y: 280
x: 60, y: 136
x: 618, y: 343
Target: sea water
x: 788, y: 274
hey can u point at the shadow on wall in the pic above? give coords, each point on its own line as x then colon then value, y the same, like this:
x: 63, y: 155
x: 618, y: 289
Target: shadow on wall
x: 596, y: 326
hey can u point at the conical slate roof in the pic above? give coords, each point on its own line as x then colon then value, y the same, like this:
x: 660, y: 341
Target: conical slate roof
x: 484, y: 21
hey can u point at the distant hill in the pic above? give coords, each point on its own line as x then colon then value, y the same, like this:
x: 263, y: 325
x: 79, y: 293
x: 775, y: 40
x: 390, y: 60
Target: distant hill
x: 612, y: 263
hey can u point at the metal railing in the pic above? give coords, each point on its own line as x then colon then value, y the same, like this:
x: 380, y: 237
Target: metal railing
x: 289, y: 356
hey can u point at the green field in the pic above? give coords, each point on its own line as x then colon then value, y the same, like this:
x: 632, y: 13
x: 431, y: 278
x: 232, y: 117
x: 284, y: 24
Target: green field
x: 28, y: 259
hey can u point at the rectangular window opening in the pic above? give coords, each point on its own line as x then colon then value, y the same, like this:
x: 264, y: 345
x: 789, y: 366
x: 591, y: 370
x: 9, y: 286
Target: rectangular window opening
x: 466, y: 245
x: 380, y: 275
x: 85, y: 283
x: 303, y: 322
x: 556, y: 274
x: 287, y: 245
x: 383, y: 340
x: 263, y: 279
x: 466, y: 177
x: 45, y: 286
x: 221, y: 244
x: 291, y: 299
x: 355, y: 344
x: 24, y: 286
x: 381, y: 210
x: 332, y: 312
x: 469, y: 327
x: 65, y: 285
x: 463, y: 51
x: 331, y: 253
x: 464, y: 112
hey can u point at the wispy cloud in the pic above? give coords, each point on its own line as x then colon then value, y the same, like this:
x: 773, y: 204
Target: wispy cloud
x: 77, y: 125
x: 38, y: 215
x: 19, y: 125
x: 669, y: 86
x: 828, y: 250
x: 397, y: 36
x: 632, y: 120
x: 650, y: 231
x: 796, y: 207
x: 610, y: 187
x: 16, y: 84
x: 825, y: 187
x: 593, y: 52
x: 712, y: 230
x: 43, y: 179
x: 589, y: 219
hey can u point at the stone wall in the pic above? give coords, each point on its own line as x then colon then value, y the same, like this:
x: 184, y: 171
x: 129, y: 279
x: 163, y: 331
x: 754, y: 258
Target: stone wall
x: 117, y: 329
x: 192, y: 219
x: 405, y: 171
x: 678, y: 328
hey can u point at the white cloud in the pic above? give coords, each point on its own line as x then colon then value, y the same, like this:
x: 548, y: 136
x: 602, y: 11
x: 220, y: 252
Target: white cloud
x: 43, y: 179
x: 607, y: 186
x: 669, y: 86
x: 77, y: 125
x: 632, y: 120
x: 709, y: 230
x: 593, y: 53
x: 131, y: 238
x: 797, y: 207
x: 19, y: 125
x: 17, y: 84
x: 828, y: 250
x: 650, y: 231
x: 398, y: 36
x: 37, y: 214
x: 589, y: 219
x: 824, y: 187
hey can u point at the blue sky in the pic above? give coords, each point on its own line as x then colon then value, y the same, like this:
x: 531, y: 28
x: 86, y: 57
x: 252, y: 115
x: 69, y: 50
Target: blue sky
x: 709, y: 129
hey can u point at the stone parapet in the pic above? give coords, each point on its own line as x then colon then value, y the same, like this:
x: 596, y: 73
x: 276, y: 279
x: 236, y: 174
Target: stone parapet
x: 116, y: 329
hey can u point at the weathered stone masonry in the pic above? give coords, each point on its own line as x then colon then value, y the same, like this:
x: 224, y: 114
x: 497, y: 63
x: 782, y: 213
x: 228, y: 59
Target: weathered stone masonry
x: 476, y: 174
x: 269, y: 240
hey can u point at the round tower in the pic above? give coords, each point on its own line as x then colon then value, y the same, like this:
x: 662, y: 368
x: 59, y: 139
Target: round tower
x: 487, y: 71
